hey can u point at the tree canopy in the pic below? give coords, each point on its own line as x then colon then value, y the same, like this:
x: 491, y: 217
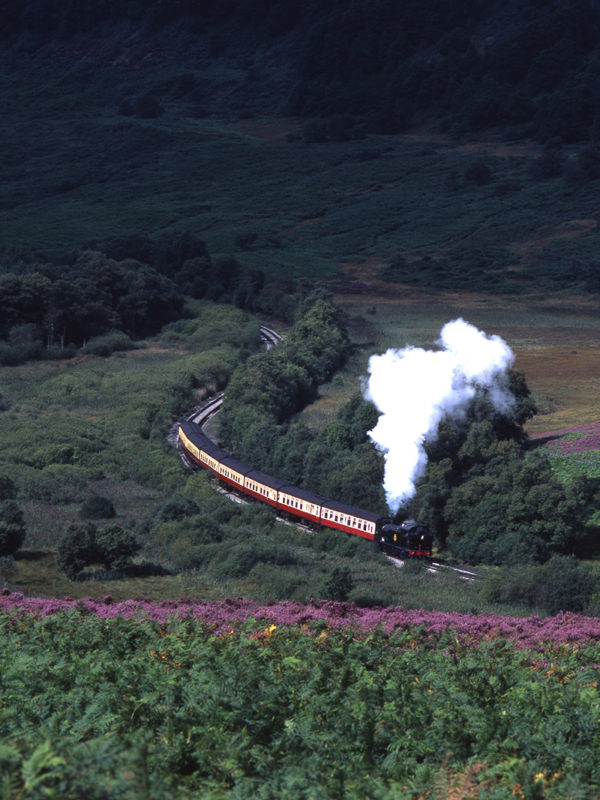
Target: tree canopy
x: 489, y: 497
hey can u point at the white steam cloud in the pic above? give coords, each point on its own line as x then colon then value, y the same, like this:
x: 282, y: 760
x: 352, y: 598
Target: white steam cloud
x: 415, y: 388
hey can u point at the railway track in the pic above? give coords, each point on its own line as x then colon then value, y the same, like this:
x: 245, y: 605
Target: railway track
x: 201, y: 414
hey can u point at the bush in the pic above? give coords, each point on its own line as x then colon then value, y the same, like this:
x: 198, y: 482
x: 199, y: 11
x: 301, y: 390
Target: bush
x: 8, y: 491
x: 76, y: 549
x: 478, y: 173
x: 565, y: 585
x: 277, y: 583
x: 115, y: 341
x: 97, y: 507
x: 55, y: 484
x: 365, y: 598
x: 148, y: 107
x: 562, y: 584
x: 177, y: 508
x: 115, y: 546
x: 83, y: 545
x: 233, y: 562
x: 12, y: 527
x: 338, y: 585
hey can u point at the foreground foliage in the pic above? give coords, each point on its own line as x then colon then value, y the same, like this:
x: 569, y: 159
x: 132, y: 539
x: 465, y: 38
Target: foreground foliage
x: 134, y: 708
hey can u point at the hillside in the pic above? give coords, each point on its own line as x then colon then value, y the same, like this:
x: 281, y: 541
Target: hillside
x: 531, y: 67
x: 311, y: 139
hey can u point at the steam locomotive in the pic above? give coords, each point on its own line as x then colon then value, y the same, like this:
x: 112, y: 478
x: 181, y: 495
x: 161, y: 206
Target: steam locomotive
x: 405, y: 540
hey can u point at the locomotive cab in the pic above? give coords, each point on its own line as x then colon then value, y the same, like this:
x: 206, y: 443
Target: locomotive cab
x: 407, y: 539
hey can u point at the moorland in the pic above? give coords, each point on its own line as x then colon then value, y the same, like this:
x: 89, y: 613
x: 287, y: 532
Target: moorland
x: 172, y: 178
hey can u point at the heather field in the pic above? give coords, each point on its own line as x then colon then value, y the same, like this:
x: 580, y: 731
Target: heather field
x: 235, y: 700
x: 222, y: 616
x: 573, y: 450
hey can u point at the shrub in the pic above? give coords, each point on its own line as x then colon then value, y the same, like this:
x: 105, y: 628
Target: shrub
x: 478, y: 173
x: 97, y: 507
x: 366, y: 598
x: 245, y: 239
x: 338, y: 585
x: 83, y: 545
x: 76, y: 548
x: 126, y: 107
x: 8, y: 491
x: 562, y: 584
x: 115, y: 546
x: 235, y: 562
x: 565, y: 585
x: 277, y: 583
x: 177, y: 508
x: 148, y: 107
x: 55, y: 484
x: 115, y: 341
x: 412, y: 566
x: 549, y: 165
x: 12, y: 527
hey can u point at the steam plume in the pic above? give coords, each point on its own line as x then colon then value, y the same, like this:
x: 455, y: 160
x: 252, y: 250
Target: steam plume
x: 415, y: 388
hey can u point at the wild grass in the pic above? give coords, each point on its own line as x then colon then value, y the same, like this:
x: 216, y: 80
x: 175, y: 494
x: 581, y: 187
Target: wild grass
x: 98, y: 425
x: 376, y: 581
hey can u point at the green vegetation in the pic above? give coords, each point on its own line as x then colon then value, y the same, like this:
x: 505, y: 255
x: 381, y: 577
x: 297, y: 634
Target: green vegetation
x: 83, y: 544
x: 490, y: 501
x: 503, y: 214
x: 12, y: 522
x: 97, y: 302
x: 97, y: 507
x: 73, y: 427
x: 267, y: 390
x: 344, y: 68
x: 107, y: 708
x: 136, y: 198
x: 145, y: 177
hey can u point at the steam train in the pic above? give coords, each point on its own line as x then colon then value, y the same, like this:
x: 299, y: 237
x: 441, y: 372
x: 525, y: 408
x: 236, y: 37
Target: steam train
x: 405, y: 540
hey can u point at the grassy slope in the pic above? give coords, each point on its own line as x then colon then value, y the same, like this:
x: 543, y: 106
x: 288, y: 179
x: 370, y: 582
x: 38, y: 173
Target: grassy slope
x: 73, y: 429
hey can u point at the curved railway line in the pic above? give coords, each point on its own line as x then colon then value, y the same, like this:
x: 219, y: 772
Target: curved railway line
x: 202, y: 413
x: 182, y: 435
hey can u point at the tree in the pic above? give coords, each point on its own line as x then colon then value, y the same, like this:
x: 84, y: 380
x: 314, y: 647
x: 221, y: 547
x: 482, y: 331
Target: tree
x: 83, y: 545
x: 487, y: 498
x: 338, y: 585
x: 115, y: 546
x: 76, y: 549
x: 12, y: 526
x: 515, y: 510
